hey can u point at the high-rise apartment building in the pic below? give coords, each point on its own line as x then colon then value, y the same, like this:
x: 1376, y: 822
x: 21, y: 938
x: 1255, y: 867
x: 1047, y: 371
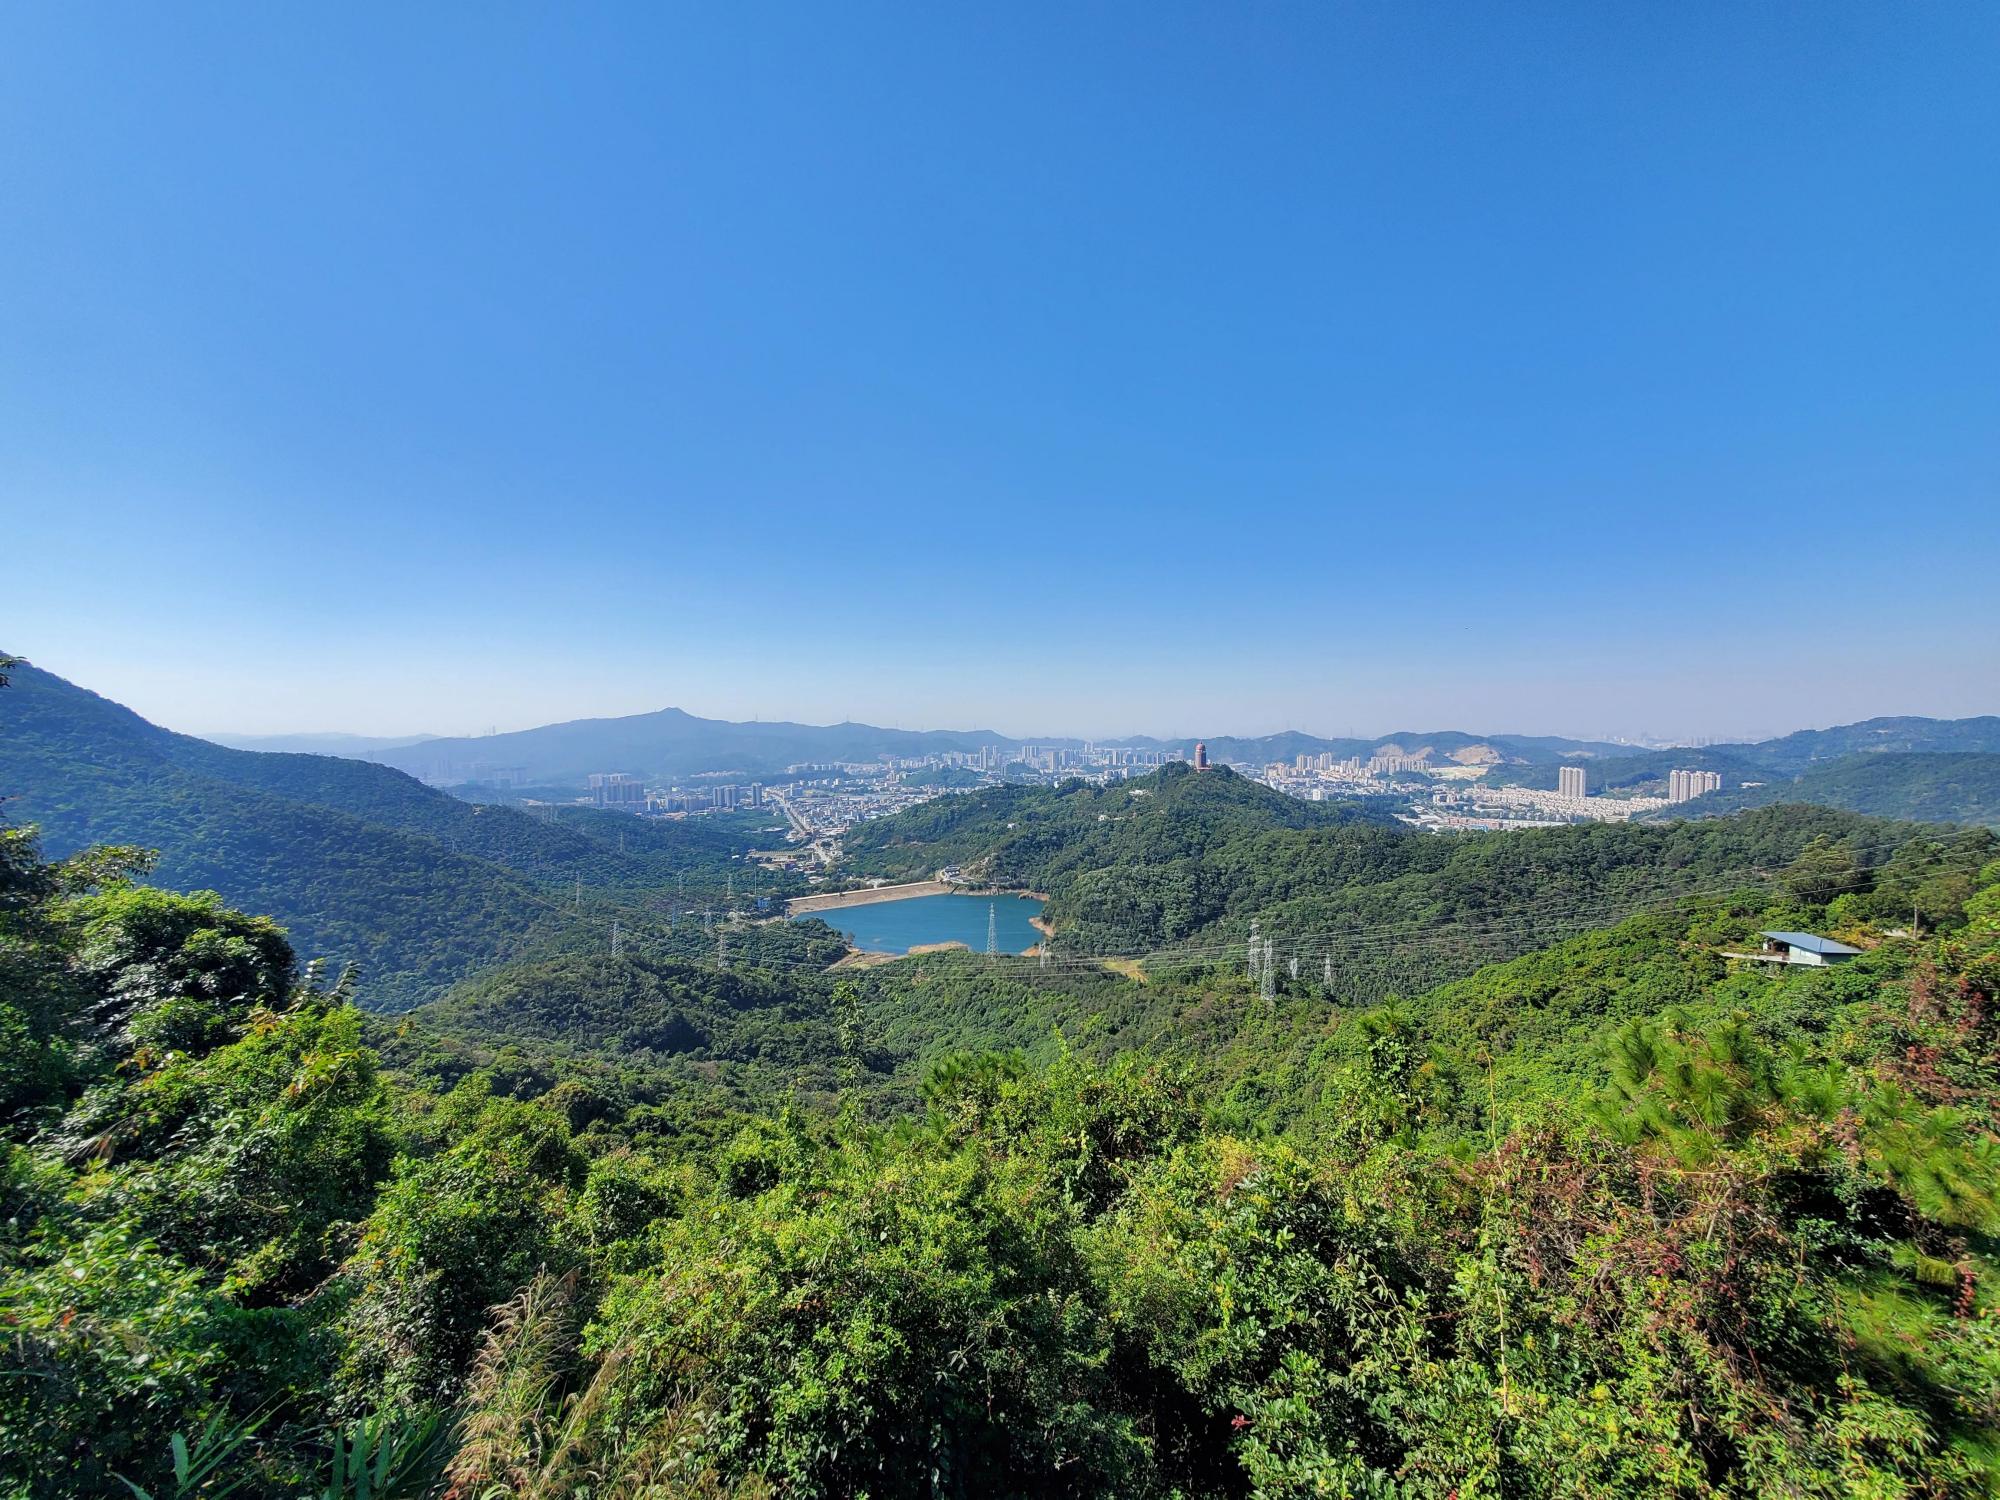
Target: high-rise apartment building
x: 1573, y: 781
x: 1685, y: 786
x: 616, y: 789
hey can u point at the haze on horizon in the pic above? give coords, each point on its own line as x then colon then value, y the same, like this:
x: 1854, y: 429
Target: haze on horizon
x: 1545, y: 369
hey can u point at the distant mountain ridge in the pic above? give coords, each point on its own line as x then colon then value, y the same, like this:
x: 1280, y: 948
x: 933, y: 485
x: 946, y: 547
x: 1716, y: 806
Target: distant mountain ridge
x: 671, y: 742
x: 1784, y: 758
x: 354, y: 746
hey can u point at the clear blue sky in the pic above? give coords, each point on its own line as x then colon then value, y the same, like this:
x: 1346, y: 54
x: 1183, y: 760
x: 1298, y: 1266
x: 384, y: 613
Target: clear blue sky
x: 1092, y: 368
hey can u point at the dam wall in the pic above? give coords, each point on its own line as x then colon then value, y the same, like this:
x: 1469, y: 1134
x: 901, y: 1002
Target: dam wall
x: 799, y: 906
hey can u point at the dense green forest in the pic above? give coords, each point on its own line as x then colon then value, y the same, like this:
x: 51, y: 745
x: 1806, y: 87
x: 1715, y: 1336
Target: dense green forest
x: 1943, y: 787
x: 1182, y: 863
x: 360, y: 862
x: 1621, y: 1216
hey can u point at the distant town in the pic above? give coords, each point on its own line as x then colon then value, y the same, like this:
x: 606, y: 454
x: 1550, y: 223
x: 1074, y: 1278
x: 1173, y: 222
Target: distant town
x: 1443, y: 793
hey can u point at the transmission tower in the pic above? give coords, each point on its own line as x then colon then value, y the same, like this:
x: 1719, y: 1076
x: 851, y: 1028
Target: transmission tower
x: 1267, y: 972
x: 722, y: 949
x: 1326, y: 975
x: 992, y: 931
x: 1254, y: 952
x: 579, y: 893
x: 617, y: 944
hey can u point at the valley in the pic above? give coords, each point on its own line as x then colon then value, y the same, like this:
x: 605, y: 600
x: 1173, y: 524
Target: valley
x: 607, y: 1093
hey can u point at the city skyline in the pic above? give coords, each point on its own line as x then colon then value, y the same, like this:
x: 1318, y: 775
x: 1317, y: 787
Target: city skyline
x: 1102, y: 372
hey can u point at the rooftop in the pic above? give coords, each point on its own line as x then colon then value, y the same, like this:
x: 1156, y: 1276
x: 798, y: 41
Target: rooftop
x: 1810, y: 942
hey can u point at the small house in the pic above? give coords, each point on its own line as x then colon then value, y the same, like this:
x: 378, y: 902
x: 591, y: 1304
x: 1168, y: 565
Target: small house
x: 1804, y: 948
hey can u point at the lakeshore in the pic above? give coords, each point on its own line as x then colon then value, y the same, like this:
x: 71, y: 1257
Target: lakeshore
x: 927, y: 915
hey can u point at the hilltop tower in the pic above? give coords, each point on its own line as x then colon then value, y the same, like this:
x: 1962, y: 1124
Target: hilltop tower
x: 1200, y: 756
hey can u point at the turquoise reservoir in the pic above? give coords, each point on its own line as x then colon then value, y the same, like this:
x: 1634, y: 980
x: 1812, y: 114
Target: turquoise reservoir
x: 899, y: 926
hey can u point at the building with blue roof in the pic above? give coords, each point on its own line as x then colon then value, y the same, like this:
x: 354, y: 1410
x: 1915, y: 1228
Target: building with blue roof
x: 1801, y: 948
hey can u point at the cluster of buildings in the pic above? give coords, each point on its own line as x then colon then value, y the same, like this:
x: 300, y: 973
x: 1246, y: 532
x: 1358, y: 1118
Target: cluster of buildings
x: 1685, y: 786
x: 1325, y: 777
x: 616, y: 790
x: 831, y: 803
x: 1528, y: 807
x: 1107, y: 762
x: 1458, y: 799
x: 1053, y: 760
x: 1385, y: 763
x: 1570, y: 802
x: 620, y: 792
x: 728, y: 797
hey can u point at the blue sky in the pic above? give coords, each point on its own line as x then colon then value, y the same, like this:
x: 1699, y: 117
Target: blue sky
x: 1175, y: 368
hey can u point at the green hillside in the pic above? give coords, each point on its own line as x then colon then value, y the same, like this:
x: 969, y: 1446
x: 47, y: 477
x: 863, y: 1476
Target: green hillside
x: 359, y: 861
x: 1621, y: 1217
x: 1962, y: 787
x: 1183, y: 862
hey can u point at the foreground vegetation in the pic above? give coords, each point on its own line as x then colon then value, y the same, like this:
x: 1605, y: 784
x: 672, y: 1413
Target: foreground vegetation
x: 1619, y: 1216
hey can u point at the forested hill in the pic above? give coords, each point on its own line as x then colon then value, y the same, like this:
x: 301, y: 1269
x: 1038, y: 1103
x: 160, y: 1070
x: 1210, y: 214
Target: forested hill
x: 1037, y: 835
x: 1793, y: 753
x: 358, y: 860
x: 1959, y: 787
x: 1187, y: 861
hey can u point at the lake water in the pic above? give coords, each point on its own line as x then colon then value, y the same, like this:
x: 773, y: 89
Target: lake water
x: 899, y: 926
